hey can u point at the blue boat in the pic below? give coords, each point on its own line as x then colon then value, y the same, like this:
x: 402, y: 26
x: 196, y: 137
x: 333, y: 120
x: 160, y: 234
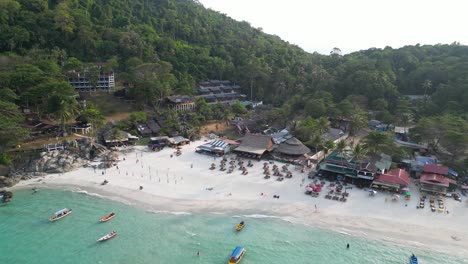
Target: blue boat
x: 413, y: 259
x: 236, y: 255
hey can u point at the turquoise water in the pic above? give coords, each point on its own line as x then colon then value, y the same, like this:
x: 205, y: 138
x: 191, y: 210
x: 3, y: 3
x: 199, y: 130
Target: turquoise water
x: 26, y: 236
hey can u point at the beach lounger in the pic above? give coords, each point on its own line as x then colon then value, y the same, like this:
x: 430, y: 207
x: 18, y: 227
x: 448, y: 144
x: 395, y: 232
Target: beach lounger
x: 280, y: 179
x: 266, y: 177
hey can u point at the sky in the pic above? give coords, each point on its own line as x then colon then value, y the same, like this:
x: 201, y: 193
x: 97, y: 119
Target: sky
x: 351, y: 25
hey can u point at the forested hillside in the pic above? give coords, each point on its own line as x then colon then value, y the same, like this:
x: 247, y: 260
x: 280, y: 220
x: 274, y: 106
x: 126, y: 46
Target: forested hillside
x: 197, y: 44
x: 164, y: 47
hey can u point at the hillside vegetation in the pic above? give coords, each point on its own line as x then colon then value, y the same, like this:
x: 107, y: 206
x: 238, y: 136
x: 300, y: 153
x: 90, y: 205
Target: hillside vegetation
x: 164, y: 47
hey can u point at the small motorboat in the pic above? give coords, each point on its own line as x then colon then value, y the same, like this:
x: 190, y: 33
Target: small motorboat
x: 107, y: 237
x: 107, y: 217
x: 237, y: 255
x: 413, y: 259
x: 60, y: 214
x: 240, y: 226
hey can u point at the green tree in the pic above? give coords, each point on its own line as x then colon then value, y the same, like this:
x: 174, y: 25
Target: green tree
x: 93, y: 115
x: 138, y: 117
x: 12, y: 131
x: 66, y: 109
x: 379, y: 142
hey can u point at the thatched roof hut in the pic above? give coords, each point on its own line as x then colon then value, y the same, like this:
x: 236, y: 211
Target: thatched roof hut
x: 292, y: 147
x: 255, y: 144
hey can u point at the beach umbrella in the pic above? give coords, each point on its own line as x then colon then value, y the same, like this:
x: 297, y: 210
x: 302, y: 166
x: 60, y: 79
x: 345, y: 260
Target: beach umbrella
x: 408, y: 193
x: 309, y: 189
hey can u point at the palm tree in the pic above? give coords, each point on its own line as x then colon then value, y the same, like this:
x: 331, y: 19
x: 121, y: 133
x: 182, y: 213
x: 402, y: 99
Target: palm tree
x: 327, y: 146
x: 359, y: 151
x: 340, y: 146
x: 378, y: 142
x: 227, y: 115
x: 358, y: 121
x: 316, y: 140
x: 323, y: 125
x: 67, y: 108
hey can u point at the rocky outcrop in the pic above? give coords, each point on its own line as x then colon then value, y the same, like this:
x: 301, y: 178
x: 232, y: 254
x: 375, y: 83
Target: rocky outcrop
x: 77, y: 154
x: 56, y: 161
x: 5, y: 196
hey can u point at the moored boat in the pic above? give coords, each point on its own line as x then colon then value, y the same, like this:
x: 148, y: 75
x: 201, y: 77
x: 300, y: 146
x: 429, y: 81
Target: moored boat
x: 413, y: 259
x: 107, y: 237
x: 107, y: 217
x: 60, y: 214
x: 240, y: 226
x: 237, y: 255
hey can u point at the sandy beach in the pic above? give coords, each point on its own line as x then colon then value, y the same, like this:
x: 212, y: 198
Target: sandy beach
x: 186, y: 184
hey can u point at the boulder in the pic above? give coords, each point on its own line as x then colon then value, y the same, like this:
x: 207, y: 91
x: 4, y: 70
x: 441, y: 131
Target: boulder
x: 4, y: 170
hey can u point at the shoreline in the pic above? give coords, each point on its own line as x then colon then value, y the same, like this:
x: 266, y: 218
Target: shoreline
x: 184, y: 188
x: 369, y: 228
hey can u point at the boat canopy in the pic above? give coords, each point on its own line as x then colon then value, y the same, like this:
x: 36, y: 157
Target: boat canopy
x: 62, y: 211
x: 237, y: 252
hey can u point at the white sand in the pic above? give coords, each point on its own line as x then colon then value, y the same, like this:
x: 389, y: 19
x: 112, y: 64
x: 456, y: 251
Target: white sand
x: 170, y: 184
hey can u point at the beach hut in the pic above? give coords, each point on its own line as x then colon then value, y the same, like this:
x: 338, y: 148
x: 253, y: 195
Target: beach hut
x: 216, y: 147
x: 254, y: 145
x: 178, y: 141
x: 292, y: 148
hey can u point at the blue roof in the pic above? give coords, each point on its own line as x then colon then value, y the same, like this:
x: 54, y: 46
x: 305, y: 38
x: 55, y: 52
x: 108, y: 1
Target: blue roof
x: 425, y: 160
x: 237, y: 252
x: 452, y: 172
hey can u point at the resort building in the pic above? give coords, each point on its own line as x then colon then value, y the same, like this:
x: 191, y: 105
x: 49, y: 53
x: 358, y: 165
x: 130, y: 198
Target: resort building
x: 104, y: 82
x: 215, y: 91
x: 254, y: 145
x: 344, y: 166
x: 180, y: 102
x: 178, y: 141
x: 335, y: 135
x: 82, y: 125
x: 150, y: 128
x: 43, y: 128
x: 217, y: 147
x: 434, y: 179
x: 394, y: 180
x: 114, y: 138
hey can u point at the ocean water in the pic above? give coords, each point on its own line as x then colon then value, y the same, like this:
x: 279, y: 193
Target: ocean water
x: 26, y: 236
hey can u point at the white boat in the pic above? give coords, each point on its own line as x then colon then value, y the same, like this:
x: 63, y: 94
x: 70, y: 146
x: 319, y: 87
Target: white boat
x: 60, y: 214
x: 107, y: 237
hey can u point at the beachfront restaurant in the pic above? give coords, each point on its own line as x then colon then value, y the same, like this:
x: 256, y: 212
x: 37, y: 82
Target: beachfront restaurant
x: 342, y: 166
x: 291, y: 150
x: 394, y: 180
x: 178, y: 141
x: 216, y: 147
x: 254, y: 145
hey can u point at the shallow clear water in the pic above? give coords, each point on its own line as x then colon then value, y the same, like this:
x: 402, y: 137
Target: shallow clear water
x: 26, y: 236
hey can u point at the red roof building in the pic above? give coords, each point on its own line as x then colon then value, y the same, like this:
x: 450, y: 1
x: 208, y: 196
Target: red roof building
x: 435, y: 169
x: 397, y: 176
x: 433, y: 179
x: 395, y: 180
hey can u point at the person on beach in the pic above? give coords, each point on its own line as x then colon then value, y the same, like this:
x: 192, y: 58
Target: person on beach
x: 347, y: 246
